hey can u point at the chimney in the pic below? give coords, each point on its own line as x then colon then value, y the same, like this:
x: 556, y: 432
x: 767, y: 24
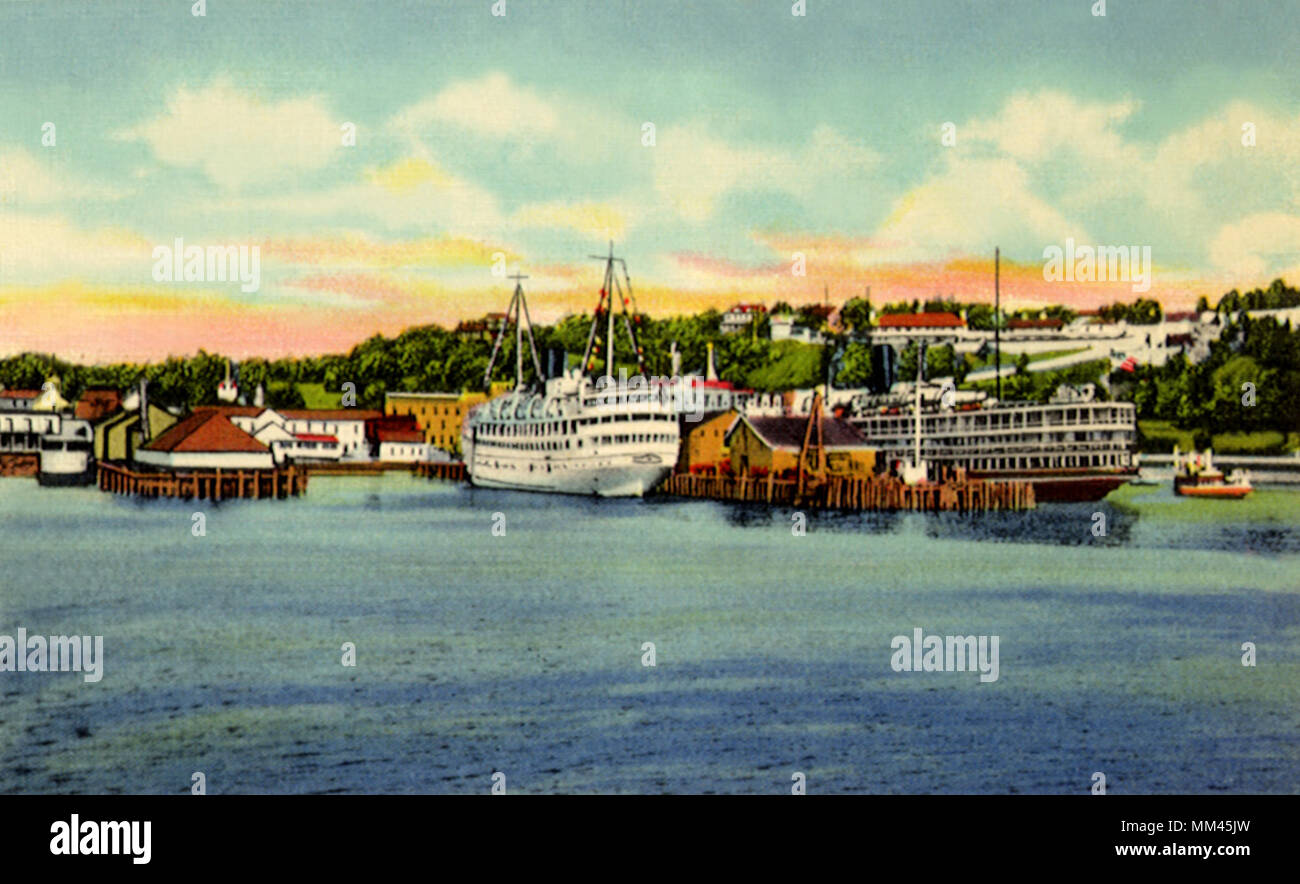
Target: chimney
x: 710, y: 373
x: 677, y: 360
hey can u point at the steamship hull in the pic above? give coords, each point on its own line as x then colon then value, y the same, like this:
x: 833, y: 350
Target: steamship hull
x: 627, y: 475
x: 1064, y: 486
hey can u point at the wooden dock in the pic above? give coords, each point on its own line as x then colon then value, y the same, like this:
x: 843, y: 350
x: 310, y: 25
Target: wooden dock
x: 213, y: 484
x: 861, y: 493
x: 452, y: 471
x: 353, y: 468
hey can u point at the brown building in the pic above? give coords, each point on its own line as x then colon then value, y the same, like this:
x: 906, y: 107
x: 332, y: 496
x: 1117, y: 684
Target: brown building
x: 439, y: 415
x: 704, y: 442
x: 773, y: 444
x: 97, y: 402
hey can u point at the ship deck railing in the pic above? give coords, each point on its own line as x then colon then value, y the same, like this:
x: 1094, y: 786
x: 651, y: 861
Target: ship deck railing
x: 929, y: 445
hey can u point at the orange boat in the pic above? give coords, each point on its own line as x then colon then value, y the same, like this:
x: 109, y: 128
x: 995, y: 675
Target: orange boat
x: 1197, y: 477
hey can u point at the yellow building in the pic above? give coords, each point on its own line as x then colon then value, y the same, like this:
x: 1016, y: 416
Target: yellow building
x: 117, y: 436
x: 440, y: 415
x: 704, y: 442
x: 773, y: 444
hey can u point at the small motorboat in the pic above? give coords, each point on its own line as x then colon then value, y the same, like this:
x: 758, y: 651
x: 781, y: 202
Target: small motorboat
x: 1196, y: 476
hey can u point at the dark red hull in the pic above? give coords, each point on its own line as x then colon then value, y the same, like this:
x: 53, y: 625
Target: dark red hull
x: 1064, y: 486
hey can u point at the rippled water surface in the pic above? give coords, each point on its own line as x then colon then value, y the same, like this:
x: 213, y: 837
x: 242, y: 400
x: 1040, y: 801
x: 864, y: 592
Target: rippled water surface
x: 523, y: 653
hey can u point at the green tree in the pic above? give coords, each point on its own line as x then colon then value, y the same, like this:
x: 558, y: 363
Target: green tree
x: 855, y: 365
x: 980, y: 316
x: 856, y: 315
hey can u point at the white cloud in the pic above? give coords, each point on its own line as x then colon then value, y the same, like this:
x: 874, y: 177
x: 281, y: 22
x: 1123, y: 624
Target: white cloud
x: 693, y: 168
x: 1258, y: 246
x: 974, y: 205
x: 27, y: 180
x: 446, y: 205
x: 236, y: 139
x: 597, y: 220
x: 492, y: 106
x: 1034, y: 127
x: 43, y: 248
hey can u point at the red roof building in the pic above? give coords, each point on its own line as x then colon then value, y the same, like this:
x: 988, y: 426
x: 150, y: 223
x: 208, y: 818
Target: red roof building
x: 205, y: 430
x: 405, y: 436
x: 326, y: 414
x: 921, y: 320
x: 204, y: 440
x: 1027, y: 324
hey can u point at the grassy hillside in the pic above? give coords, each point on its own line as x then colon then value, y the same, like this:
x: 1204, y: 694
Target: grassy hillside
x: 315, y: 396
x: 796, y: 366
x: 1162, y: 436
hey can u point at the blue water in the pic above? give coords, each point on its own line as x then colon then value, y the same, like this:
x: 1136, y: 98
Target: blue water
x: 522, y: 653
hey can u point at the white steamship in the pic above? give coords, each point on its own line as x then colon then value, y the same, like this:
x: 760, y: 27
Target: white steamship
x: 573, y: 435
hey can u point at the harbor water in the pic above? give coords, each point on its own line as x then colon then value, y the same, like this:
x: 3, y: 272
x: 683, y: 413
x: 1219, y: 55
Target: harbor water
x: 523, y: 650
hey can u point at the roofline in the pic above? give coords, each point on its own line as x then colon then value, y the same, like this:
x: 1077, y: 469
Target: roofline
x: 741, y: 416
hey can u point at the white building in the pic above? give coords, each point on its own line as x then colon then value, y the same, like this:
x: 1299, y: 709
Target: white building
x: 21, y: 430
x: 17, y: 400
x: 406, y: 446
x: 740, y: 316
x: 311, y: 434
x: 785, y: 328
x: 347, y: 425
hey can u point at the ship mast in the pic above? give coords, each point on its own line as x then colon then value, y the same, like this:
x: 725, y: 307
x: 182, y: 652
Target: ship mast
x: 920, y: 362
x: 997, y: 321
x: 519, y: 310
x: 612, y: 287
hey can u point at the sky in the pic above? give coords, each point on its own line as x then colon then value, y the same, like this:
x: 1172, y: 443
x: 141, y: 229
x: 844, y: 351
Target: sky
x: 722, y: 145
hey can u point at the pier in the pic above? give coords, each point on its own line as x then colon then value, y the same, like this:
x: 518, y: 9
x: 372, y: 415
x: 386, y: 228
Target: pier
x: 352, y: 468
x: 859, y: 494
x: 203, y: 484
x: 451, y: 471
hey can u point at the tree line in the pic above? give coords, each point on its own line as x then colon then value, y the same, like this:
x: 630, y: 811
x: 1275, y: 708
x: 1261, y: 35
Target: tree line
x: 431, y: 358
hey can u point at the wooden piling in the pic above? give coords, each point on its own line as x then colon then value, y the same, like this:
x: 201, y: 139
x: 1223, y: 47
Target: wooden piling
x: 117, y: 478
x: 857, y: 493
